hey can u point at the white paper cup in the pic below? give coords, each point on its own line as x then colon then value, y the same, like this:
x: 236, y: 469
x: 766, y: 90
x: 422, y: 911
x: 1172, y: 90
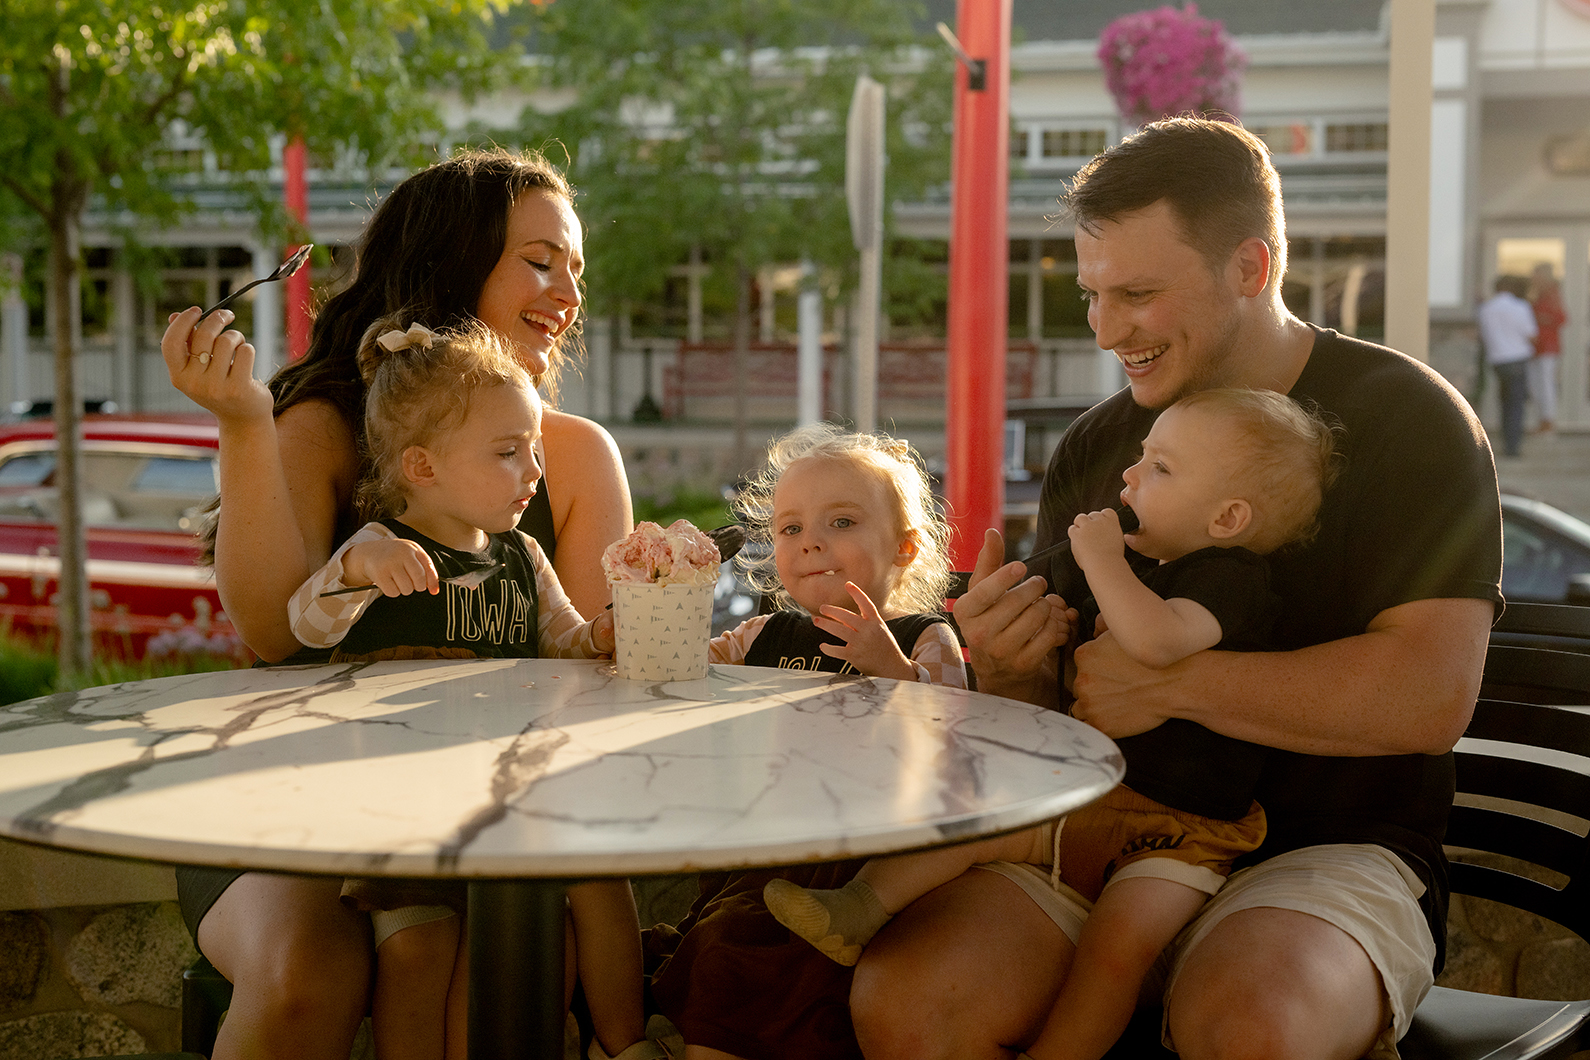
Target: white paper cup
x: 662, y: 631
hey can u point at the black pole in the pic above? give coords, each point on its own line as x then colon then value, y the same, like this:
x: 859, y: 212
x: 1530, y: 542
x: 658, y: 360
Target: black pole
x: 516, y: 1007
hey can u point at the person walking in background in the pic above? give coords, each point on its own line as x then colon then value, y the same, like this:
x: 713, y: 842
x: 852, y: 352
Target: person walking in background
x: 1549, y: 319
x: 1507, y: 330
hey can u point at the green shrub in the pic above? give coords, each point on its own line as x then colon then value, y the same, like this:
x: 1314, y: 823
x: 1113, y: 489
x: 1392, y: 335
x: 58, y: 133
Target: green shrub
x: 26, y: 670
x: 29, y: 670
x: 705, y: 510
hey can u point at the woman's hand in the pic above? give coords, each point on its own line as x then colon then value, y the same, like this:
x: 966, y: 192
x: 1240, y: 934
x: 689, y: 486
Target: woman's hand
x: 398, y: 567
x: 214, y: 366
x: 869, y: 646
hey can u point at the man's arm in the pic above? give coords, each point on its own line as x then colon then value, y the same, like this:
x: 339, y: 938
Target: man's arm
x: 1406, y: 685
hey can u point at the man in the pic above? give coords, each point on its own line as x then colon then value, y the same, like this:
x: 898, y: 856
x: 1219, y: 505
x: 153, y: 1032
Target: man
x: 1507, y: 331
x: 1325, y: 947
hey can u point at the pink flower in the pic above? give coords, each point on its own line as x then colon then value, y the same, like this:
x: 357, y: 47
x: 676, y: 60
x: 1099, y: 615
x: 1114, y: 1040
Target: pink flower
x: 679, y: 555
x: 1165, y: 62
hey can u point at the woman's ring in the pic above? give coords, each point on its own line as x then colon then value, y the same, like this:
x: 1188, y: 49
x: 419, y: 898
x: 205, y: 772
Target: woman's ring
x: 204, y: 358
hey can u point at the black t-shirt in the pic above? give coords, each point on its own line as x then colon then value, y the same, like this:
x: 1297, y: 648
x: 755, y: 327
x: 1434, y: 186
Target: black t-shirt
x: 1414, y: 516
x: 1180, y: 763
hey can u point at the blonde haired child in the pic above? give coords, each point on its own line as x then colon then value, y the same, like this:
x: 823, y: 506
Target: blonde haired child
x: 854, y: 557
x: 452, y: 423
x: 1225, y: 475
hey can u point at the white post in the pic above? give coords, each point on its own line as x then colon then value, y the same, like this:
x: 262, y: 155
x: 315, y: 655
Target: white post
x: 123, y: 308
x: 14, y: 327
x: 1408, y: 178
x: 267, y: 337
x: 694, y: 329
x: 809, y: 349
x: 599, y: 355
x: 864, y: 163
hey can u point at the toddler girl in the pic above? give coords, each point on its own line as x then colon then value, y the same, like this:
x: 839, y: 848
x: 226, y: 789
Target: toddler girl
x: 451, y: 425
x: 1226, y: 477
x: 858, y: 547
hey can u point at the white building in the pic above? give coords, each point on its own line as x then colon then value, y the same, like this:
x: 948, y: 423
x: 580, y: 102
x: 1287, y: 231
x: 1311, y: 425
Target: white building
x: 1510, y: 187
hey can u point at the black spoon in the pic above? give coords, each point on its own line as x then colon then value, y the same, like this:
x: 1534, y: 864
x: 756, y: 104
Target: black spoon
x: 284, y: 270
x: 1041, y: 562
x: 729, y: 539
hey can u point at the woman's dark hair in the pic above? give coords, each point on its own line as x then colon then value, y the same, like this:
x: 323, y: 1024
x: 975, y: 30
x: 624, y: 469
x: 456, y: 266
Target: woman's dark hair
x: 424, y: 255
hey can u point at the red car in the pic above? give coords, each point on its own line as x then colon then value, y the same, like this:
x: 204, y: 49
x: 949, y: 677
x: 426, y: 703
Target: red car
x: 145, y: 480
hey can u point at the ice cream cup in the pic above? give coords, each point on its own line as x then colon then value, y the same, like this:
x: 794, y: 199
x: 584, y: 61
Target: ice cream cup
x: 662, y: 630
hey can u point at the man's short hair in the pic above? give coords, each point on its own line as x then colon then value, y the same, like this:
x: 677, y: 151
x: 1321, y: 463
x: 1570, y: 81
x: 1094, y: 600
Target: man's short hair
x: 1216, y: 177
x: 1518, y: 285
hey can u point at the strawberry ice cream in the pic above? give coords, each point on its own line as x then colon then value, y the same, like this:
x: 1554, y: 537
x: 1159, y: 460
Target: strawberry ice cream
x: 679, y: 555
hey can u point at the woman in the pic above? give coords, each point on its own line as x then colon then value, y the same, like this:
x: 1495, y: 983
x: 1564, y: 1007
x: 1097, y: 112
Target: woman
x: 1546, y: 301
x: 489, y: 235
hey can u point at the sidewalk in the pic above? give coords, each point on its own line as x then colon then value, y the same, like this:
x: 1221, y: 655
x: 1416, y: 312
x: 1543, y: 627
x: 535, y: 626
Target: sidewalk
x: 1554, y: 468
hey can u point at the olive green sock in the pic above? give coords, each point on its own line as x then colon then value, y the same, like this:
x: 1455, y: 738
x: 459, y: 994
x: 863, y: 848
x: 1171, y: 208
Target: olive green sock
x: 839, y: 923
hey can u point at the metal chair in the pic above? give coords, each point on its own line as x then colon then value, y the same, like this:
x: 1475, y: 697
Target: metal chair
x: 206, y: 995
x: 1531, y: 711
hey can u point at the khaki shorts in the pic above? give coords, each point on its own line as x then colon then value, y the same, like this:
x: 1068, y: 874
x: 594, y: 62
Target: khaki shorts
x: 1362, y: 889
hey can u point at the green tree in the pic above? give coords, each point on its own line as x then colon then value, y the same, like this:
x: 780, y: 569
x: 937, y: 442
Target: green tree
x: 720, y: 125
x: 90, y: 89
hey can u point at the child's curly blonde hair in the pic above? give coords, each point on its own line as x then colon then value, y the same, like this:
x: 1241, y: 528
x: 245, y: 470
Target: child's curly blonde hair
x: 420, y: 384
x: 922, y: 584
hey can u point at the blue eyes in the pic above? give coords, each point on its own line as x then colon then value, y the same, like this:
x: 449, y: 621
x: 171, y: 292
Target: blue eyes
x: 841, y: 523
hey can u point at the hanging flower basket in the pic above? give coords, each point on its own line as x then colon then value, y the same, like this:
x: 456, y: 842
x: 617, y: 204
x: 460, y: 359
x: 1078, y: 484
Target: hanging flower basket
x: 1166, y: 62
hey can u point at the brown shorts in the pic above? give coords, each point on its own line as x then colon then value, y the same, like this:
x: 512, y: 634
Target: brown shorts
x: 1125, y: 834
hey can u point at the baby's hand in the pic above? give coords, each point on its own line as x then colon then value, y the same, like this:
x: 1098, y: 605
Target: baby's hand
x: 1096, y: 537
x: 397, y: 567
x: 602, y: 633
x: 869, y: 646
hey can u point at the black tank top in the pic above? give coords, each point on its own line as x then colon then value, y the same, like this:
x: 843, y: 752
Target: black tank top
x: 790, y: 641
x: 496, y: 619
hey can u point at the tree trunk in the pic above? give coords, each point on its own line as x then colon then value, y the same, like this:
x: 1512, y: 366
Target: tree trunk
x: 74, y: 650
x: 742, y: 359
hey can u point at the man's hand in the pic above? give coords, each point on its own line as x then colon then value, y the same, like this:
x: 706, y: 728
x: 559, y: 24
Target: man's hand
x: 1012, y: 627
x: 1115, y: 693
x: 869, y: 646
x: 397, y: 567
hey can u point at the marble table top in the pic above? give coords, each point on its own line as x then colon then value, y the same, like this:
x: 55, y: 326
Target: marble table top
x: 502, y: 768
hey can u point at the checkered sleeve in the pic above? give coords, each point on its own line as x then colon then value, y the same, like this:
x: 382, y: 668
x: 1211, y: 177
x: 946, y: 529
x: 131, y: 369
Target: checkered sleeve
x: 936, y: 657
x: 322, y: 621
x: 730, y: 648
x: 562, y: 632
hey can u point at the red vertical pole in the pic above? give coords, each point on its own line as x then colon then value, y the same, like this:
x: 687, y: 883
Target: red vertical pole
x: 296, y: 194
x: 979, y: 282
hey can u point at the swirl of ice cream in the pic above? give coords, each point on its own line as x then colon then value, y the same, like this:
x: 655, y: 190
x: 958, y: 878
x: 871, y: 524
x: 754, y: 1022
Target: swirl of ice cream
x: 679, y: 555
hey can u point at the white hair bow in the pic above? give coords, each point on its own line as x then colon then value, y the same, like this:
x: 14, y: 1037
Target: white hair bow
x: 418, y: 335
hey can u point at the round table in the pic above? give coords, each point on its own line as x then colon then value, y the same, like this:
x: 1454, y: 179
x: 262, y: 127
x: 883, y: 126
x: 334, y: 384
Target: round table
x: 524, y: 775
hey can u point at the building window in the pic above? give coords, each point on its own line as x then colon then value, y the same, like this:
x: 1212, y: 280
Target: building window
x: 1018, y: 143
x: 1074, y: 143
x: 1356, y: 136
x: 1296, y: 138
